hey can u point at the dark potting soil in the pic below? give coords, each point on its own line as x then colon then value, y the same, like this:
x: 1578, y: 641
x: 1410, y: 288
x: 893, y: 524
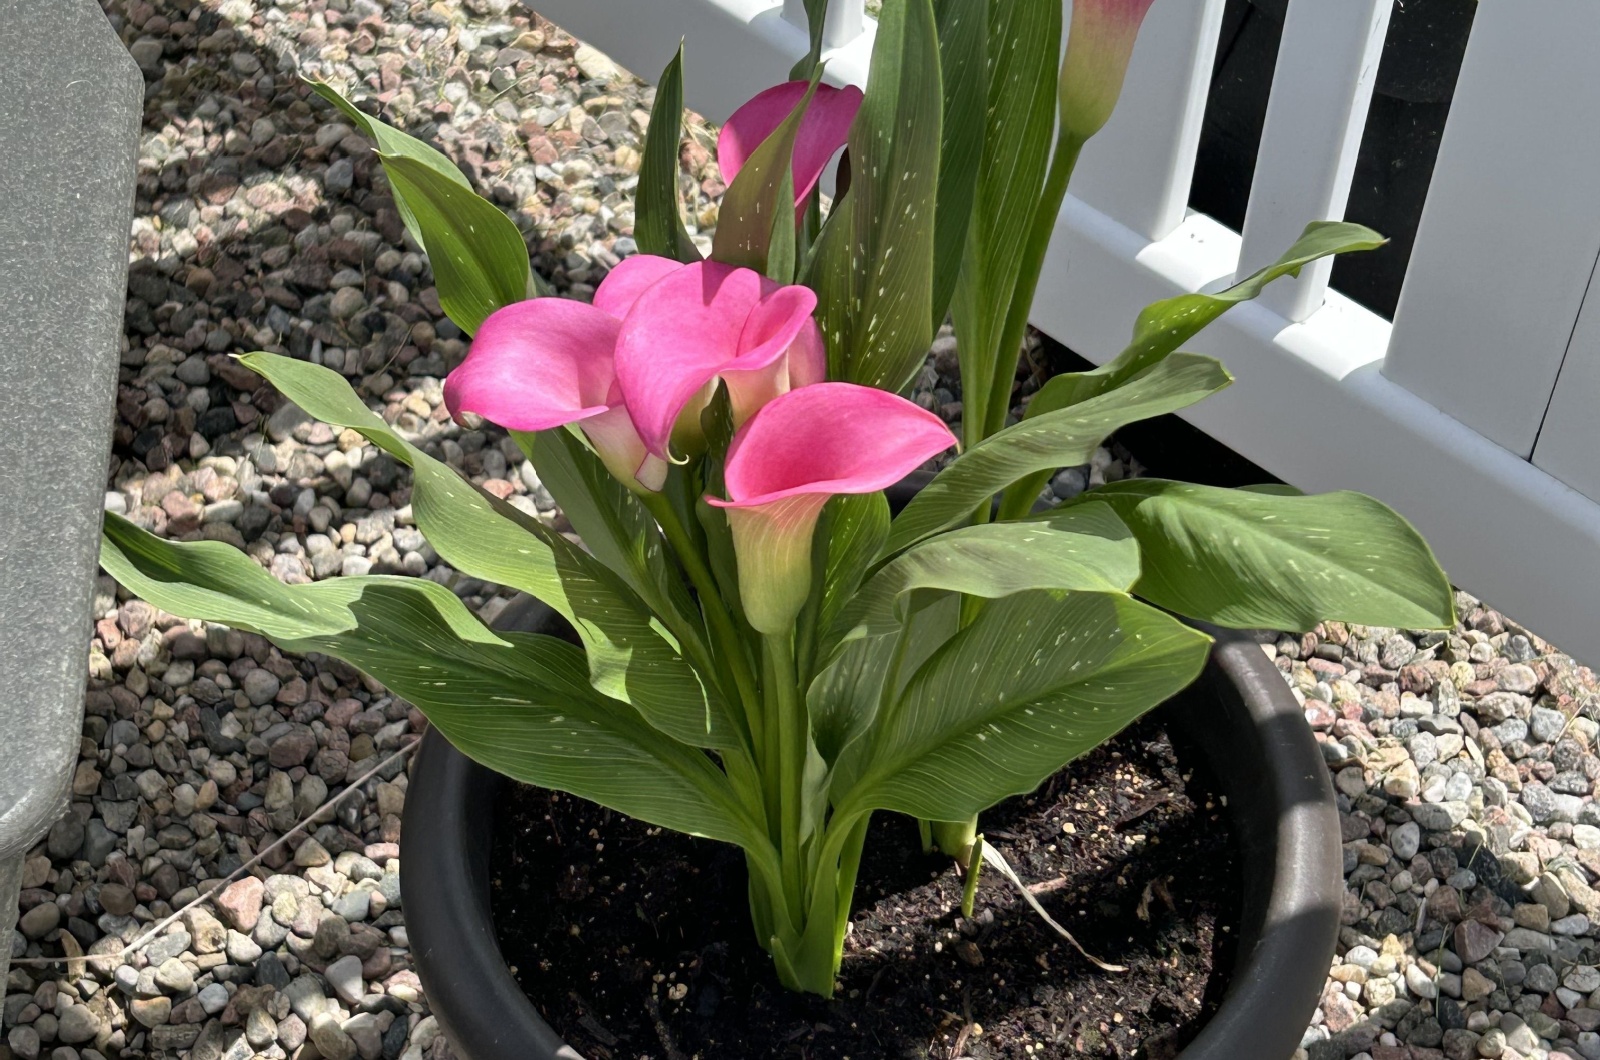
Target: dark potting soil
x: 634, y: 942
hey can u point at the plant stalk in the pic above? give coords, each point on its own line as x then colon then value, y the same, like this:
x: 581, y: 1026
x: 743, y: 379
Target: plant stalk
x: 788, y: 720
x: 969, y: 892
x: 1016, y: 326
x: 725, y: 634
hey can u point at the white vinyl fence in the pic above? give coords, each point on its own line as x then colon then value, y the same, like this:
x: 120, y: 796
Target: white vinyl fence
x: 1474, y: 412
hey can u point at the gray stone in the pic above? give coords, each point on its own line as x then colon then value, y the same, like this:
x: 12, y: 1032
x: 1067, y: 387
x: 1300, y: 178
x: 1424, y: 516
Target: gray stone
x: 1583, y: 978
x: 39, y: 921
x: 242, y: 949
x: 1405, y: 840
x: 1541, y: 979
x: 1424, y: 749
x: 330, y: 1039
x: 214, y: 998
x: 344, y: 975
x: 169, y: 945
x: 24, y: 1041
x: 365, y: 1032
x: 340, y: 177
x: 306, y: 997
x: 70, y: 109
x: 1440, y: 816
x: 1546, y: 725
x: 1540, y: 802
x: 78, y: 1024
x: 174, y: 976
x: 353, y: 906
x: 1571, y: 926
x: 260, y: 686
x: 271, y: 972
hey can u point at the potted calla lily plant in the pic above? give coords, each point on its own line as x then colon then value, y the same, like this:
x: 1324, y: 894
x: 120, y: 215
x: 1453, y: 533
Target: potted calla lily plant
x: 752, y: 645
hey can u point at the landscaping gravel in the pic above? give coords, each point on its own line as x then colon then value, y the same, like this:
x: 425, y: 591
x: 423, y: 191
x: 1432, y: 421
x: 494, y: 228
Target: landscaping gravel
x: 1465, y: 761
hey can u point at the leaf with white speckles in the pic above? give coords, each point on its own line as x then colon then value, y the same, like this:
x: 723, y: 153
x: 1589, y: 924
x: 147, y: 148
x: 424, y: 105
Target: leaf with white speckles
x: 1248, y: 559
x: 658, y: 222
x: 1060, y: 439
x: 1083, y: 548
x: 1037, y: 680
x: 873, y: 264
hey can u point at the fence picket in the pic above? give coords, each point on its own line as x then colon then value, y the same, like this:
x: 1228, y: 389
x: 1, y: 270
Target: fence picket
x: 1138, y: 169
x: 1321, y: 87
x: 1512, y: 225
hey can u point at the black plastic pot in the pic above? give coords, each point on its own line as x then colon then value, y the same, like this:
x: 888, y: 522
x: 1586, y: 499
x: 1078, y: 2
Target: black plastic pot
x: 1240, y: 713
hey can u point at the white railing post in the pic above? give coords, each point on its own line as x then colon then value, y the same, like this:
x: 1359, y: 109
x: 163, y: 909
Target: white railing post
x: 1509, y: 235
x: 1139, y: 168
x: 1321, y: 88
x: 846, y: 20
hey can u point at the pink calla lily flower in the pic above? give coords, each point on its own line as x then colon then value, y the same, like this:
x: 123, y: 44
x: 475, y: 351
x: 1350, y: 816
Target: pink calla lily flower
x: 799, y: 450
x: 823, y: 130
x: 548, y: 362
x: 699, y: 322
x: 1099, y: 45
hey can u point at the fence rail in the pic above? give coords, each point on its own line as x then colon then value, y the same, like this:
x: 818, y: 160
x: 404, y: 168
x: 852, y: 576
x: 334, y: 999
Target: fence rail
x: 1474, y: 413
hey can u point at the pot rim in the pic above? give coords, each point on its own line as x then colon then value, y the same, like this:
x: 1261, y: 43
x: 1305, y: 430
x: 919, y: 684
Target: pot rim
x: 1281, y: 805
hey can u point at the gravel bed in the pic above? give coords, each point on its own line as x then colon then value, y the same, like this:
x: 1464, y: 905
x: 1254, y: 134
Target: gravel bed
x: 1465, y: 761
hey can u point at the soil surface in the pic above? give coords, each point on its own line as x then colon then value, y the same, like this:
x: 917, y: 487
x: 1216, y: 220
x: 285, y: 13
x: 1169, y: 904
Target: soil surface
x: 635, y: 942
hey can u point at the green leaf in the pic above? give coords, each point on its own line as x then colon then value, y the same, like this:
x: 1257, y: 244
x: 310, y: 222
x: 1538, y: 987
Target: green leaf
x: 717, y: 421
x: 1164, y: 326
x: 476, y: 532
x: 394, y: 143
x: 479, y: 260
x: 658, y: 217
x: 756, y: 223
x: 872, y: 267
x: 844, y: 547
x: 816, y: 21
x: 1023, y: 53
x: 858, y: 525
x: 1084, y: 548
x: 844, y: 698
x: 1248, y: 559
x: 1038, y: 679
x: 609, y: 519
x: 1058, y: 439
x: 963, y: 39
x: 518, y: 703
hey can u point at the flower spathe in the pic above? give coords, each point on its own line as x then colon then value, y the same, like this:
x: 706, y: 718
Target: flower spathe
x: 549, y: 362
x: 628, y: 367
x: 1099, y: 45
x: 804, y: 447
x: 823, y: 130
x: 707, y: 320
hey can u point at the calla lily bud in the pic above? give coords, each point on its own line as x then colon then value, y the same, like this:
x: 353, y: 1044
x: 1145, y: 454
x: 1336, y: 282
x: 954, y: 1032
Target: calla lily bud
x: 802, y: 448
x: 1099, y: 45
